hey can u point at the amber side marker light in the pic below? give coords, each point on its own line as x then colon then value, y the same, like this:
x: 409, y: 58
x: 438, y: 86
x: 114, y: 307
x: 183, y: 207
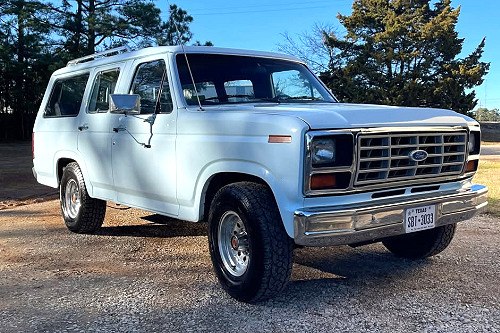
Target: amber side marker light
x: 279, y: 139
x: 322, y: 181
x: 471, y: 166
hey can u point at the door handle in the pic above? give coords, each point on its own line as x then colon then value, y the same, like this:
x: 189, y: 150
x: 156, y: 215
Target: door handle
x: 118, y: 129
x: 84, y: 127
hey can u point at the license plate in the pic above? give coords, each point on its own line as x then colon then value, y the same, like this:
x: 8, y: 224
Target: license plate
x: 420, y: 218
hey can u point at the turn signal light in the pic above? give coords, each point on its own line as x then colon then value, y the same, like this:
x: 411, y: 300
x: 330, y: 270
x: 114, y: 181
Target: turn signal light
x: 471, y: 166
x: 279, y: 139
x: 322, y: 181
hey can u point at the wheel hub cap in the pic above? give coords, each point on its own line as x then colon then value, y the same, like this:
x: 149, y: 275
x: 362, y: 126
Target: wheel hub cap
x: 233, y: 243
x: 71, y: 199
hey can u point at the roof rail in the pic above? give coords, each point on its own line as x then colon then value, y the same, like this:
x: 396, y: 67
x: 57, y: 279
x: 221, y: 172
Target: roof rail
x: 107, y: 53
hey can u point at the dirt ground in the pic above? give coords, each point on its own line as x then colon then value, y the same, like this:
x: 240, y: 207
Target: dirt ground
x: 17, y: 184
x: 147, y: 273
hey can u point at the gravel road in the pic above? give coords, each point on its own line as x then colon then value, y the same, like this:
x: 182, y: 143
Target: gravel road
x: 146, y: 273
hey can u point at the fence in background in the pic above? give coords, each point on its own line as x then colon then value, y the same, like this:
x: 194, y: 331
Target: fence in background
x: 490, y: 131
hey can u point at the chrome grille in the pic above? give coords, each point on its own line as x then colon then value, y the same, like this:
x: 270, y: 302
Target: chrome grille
x: 386, y: 157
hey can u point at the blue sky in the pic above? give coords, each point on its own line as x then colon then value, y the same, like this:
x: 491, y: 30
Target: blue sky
x: 258, y: 25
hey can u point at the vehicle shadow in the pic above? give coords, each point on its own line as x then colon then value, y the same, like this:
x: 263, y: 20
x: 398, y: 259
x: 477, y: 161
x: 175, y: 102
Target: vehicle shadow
x: 342, y: 269
x: 160, y: 226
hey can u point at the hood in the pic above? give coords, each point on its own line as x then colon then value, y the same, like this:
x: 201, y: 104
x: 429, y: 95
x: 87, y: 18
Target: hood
x: 339, y: 115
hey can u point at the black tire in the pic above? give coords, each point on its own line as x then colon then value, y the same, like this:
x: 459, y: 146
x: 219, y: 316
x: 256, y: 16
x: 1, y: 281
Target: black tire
x: 81, y: 213
x: 421, y: 244
x: 269, y: 248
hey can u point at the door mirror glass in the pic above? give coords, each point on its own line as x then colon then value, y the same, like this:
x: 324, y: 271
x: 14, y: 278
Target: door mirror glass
x: 125, y: 103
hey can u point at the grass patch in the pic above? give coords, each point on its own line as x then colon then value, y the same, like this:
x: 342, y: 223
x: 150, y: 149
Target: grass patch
x: 489, y: 174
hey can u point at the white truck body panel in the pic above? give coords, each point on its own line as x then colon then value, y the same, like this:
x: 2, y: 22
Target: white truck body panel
x: 190, y: 146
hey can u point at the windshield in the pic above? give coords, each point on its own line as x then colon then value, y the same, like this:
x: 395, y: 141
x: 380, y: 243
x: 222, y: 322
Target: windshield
x: 227, y: 79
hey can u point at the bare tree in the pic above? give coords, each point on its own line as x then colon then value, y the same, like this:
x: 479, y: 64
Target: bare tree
x: 311, y: 47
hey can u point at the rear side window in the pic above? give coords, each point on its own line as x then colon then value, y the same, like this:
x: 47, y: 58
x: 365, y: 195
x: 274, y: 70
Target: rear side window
x: 66, y: 96
x: 104, y: 85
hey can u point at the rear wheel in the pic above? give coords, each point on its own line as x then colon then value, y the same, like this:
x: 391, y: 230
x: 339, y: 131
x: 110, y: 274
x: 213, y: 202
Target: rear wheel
x: 81, y: 213
x: 421, y: 244
x: 251, y: 252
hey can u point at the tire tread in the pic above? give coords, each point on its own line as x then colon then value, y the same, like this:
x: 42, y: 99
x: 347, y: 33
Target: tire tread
x: 422, y: 244
x: 92, y: 212
x: 278, y: 246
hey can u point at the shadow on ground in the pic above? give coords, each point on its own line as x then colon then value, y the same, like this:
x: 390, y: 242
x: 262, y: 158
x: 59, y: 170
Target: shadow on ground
x: 160, y: 226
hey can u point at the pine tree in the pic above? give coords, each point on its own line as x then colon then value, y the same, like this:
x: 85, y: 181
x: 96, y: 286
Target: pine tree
x: 403, y: 52
x: 24, y: 51
x: 87, y: 26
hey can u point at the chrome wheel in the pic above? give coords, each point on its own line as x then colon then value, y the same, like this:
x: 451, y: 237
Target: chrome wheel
x: 72, y: 199
x: 233, y: 243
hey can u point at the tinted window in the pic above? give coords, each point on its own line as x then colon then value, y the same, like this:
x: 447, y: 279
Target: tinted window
x: 293, y: 84
x: 206, y: 91
x: 66, y: 96
x: 246, y: 79
x: 239, y: 90
x: 104, y: 85
x: 146, y: 84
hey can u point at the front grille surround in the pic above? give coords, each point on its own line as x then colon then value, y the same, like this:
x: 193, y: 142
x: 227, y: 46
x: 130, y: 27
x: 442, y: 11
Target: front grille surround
x: 390, y: 147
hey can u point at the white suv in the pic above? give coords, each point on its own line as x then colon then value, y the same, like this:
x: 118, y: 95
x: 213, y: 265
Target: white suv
x: 256, y: 145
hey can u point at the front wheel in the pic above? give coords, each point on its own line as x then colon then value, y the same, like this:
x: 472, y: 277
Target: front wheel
x: 421, y: 244
x: 81, y: 213
x: 251, y: 252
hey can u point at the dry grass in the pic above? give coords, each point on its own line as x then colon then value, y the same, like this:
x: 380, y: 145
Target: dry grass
x: 489, y: 175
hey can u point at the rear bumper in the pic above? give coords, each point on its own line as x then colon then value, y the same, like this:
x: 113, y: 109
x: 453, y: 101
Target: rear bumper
x: 364, y: 222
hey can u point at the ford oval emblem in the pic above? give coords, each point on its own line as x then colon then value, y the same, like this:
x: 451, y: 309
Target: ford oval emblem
x: 418, y: 155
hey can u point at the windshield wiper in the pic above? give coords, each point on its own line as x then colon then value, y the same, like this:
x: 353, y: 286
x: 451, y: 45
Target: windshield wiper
x: 269, y: 99
x: 281, y: 99
x: 227, y: 96
x: 312, y: 98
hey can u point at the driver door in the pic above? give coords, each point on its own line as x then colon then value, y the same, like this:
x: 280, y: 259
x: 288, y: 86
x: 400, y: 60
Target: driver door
x: 143, y: 146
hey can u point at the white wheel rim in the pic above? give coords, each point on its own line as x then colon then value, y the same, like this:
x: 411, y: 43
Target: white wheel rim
x: 233, y: 244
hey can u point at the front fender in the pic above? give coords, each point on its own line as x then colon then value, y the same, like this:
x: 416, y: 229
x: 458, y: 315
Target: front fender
x: 193, y: 209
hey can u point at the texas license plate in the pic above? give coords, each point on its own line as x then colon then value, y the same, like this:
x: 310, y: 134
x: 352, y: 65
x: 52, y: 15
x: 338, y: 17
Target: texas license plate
x: 420, y: 218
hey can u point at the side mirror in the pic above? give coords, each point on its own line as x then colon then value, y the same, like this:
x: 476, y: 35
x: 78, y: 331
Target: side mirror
x: 125, y: 104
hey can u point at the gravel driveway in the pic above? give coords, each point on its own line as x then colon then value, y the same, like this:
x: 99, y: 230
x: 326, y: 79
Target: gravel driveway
x: 147, y: 273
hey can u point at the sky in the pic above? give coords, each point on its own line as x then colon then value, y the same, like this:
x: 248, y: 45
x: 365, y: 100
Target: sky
x: 258, y: 25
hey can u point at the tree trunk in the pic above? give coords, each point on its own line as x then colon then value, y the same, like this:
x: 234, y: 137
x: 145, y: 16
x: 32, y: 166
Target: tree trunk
x: 78, y: 29
x: 19, y: 105
x: 92, y: 34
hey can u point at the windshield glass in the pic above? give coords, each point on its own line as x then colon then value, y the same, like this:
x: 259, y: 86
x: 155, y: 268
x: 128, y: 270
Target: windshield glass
x: 227, y: 79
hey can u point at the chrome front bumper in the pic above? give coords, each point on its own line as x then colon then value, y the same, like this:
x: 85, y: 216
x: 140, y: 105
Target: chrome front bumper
x: 365, y: 222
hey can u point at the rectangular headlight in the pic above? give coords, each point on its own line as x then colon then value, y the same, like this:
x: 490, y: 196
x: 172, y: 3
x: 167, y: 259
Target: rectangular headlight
x: 323, y: 151
x: 332, y: 151
x: 474, y: 142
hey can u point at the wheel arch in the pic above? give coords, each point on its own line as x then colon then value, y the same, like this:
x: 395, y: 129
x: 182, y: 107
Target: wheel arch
x: 62, y: 159
x: 219, y: 180
x: 252, y: 173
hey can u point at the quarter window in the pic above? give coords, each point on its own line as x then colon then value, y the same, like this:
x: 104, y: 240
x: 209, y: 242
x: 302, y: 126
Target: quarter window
x: 104, y: 85
x: 66, y: 97
x: 147, y: 84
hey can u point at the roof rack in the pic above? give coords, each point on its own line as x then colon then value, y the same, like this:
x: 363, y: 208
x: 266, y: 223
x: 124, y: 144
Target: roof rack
x: 107, y: 53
